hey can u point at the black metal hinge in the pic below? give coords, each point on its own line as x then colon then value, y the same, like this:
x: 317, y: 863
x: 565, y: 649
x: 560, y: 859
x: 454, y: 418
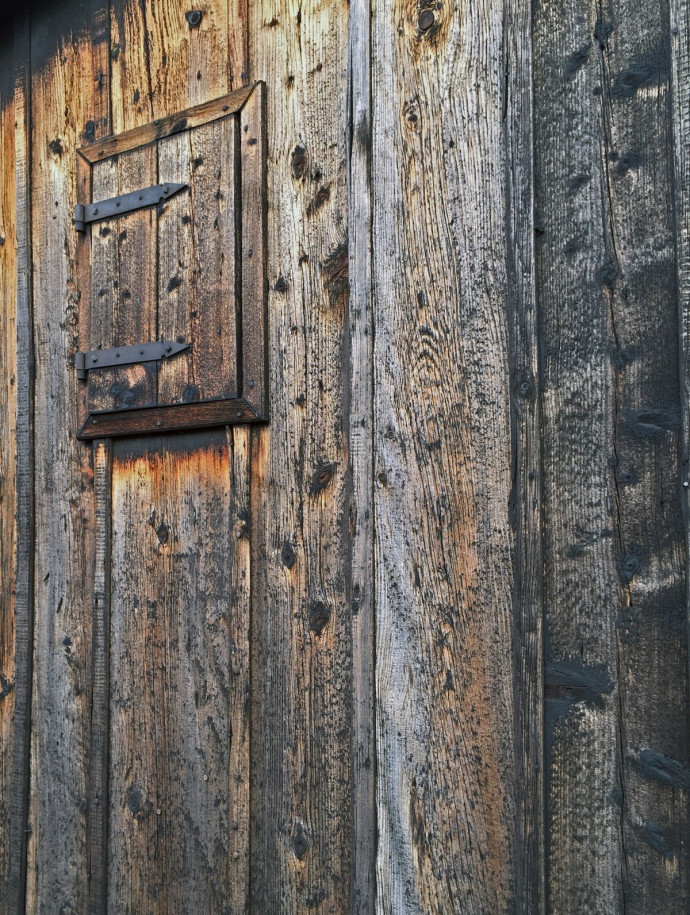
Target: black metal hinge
x: 126, y: 355
x: 125, y: 203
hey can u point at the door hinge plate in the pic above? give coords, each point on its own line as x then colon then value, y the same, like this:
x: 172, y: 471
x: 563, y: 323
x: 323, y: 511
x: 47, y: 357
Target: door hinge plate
x: 126, y: 355
x: 125, y: 203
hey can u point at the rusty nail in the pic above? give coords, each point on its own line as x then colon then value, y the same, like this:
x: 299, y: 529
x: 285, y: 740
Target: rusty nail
x: 425, y: 21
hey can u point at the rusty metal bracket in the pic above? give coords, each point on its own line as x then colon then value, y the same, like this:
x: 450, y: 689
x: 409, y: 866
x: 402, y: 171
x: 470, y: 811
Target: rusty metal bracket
x: 126, y: 355
x: 125, y: 203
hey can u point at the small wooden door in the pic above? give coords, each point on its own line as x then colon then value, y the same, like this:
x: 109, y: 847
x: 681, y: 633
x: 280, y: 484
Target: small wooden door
x: 183, y: 267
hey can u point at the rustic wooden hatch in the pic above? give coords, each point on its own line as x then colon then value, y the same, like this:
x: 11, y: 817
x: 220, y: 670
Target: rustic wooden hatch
x: 172, y: 264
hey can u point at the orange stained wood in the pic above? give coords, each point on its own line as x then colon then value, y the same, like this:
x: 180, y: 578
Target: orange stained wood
x: 8, y: 493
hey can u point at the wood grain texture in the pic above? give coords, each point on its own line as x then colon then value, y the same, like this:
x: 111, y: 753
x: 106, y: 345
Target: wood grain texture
x: 99, y: 748
x: 172, y: 787
x: 197, y: 263
x: 444, y: 543
x: 160, y: 64
x: 8, y: 468
x: 616, y: 641
x: 526, y: 495
x: 239, y: 445
x: 252, y: 162
x: 301, y: 632
x: 63, y: 111
x: 361, y: 460
x: 680, y: 75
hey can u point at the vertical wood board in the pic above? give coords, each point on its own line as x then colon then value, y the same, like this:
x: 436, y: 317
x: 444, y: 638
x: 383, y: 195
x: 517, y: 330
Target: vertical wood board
x: 9, y: 356
x: 444, y: 543
x: 171, y: 784
x: 63, y: 107
x: 301, y: 632
x: 359, y: 360
x: 616, y: 650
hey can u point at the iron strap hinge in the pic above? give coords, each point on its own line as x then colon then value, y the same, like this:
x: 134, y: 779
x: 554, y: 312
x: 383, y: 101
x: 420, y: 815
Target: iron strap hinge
x: 125, y: 203
x: 126, y: 355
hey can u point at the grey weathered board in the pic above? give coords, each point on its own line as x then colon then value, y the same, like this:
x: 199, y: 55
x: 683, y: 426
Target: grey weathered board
x: 420, y: 644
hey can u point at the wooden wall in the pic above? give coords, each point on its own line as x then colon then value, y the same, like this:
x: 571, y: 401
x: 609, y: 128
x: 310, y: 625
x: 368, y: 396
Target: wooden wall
x: 420, y: 644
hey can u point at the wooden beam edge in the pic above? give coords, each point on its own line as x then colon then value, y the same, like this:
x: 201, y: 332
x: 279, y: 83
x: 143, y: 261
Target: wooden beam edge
x: 169, y: 418
x: 195, y: 116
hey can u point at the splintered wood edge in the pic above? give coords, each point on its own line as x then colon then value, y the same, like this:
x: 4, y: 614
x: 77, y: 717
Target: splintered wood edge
x: 168, y: 418
x: 167, y: 126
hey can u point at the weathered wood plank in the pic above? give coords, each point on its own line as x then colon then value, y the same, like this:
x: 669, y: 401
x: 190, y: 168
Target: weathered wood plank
x: 526, y: 496
x: 577, y: 440
x: 161, y: 63
x: 252, y: 161
x: 680, y: 76
x: 171, y: 784
x: 197, y: 263
x: 239, y: 443
x: 100, y: 686
x: 301, y: 632
x: 8, y: 460
x: 63, y: 112
x: 652, y: 652
x: 17, y: 472
x: 616, y: 640
x: 359, y: 360
x: 444, y: 543
x: 238, y: 64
